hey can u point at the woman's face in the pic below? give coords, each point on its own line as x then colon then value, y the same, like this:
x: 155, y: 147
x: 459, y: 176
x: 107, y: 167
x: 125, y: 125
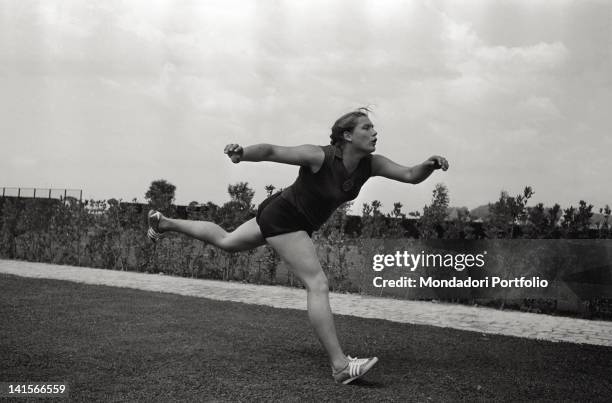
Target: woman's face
x: 363, y: 136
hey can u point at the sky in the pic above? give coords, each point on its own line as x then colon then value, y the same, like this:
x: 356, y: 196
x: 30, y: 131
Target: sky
x: 107, y: 96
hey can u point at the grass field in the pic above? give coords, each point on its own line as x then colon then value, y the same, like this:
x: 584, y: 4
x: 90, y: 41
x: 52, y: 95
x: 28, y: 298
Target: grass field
x: 121, y: 344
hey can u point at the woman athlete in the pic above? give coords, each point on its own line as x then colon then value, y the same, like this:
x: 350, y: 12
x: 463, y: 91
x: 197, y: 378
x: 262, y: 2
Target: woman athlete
x: 328, y: 177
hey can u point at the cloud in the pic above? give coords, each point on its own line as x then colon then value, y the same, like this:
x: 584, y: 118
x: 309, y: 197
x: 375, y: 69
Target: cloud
x: 537, y: 108
x: 471, y: 55
x: 23, y: 162
x: 475, y: 81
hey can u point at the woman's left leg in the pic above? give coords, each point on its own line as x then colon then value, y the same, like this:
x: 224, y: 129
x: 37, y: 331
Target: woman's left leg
x: 298, y: 251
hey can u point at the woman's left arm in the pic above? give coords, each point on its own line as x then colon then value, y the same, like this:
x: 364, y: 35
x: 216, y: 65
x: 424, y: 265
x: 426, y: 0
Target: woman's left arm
x: 383, y: 166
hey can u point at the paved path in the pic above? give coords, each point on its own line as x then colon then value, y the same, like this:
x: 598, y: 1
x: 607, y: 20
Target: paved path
x: 478, y: 319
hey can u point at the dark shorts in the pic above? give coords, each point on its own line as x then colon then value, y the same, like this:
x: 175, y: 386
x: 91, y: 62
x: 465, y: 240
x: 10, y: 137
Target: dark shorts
x: 276, y: 216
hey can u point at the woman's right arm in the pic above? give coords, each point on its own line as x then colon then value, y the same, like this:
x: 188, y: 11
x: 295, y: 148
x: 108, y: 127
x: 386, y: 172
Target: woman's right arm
x: 305, y: 155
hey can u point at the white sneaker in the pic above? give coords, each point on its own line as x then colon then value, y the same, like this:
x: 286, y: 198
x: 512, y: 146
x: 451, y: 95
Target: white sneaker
x: 356, y: 368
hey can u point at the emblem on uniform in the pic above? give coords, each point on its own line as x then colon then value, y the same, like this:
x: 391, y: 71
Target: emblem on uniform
x: 347, y: 185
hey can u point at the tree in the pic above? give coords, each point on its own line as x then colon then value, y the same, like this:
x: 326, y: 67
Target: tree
x: 569, y: 222
x: 241, y: 193
x: 460, y: 227
x: 270, y: 190
x: 576, y: 221
x: 396, y: 218
x: 372, y: 220
x: 160, y: 195
x: 583, y: 218
x: 537, y: 221
x: 554, y: 214
x: 434, y: 216
x: 507, y: 212
x: 604, y: 226
x: 521, y: 204
x: 239, y: 208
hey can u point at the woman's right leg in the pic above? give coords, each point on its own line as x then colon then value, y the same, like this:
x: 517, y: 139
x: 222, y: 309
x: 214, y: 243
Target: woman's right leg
x: 245, y: 237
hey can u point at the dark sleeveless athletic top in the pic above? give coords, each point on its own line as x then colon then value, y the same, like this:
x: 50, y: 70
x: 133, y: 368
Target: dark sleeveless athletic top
x: 317, y: 195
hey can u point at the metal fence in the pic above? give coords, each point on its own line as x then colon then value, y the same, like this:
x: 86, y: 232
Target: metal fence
x: 42, y: 193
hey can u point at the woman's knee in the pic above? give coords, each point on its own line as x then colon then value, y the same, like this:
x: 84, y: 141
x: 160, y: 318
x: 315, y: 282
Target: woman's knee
x: 245, y: 237
x: 318, y: 283
x: 233, y: 243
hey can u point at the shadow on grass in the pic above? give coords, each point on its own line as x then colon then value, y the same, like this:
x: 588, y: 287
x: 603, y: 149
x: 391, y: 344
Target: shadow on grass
x: 362, y: 383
